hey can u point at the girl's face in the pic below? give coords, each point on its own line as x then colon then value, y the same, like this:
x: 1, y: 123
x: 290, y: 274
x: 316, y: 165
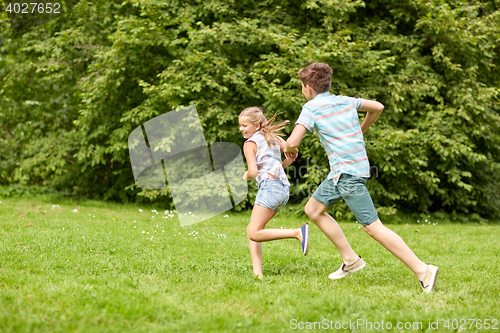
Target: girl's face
x: 247, y: 128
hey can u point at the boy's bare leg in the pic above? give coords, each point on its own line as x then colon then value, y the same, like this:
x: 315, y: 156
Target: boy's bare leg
x: 316, y: 211
x: 396, y: 245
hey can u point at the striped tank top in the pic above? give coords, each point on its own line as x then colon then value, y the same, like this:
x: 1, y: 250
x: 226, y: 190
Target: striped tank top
x: 268, y: 159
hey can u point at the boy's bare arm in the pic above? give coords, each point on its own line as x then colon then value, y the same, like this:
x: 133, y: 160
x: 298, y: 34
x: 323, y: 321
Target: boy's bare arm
x: 295, y: 138
x: 373, y: 109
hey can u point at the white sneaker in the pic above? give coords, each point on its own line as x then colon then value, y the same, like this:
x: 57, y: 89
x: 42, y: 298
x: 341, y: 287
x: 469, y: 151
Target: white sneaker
x: 345, y: 270
x: 429, y: 282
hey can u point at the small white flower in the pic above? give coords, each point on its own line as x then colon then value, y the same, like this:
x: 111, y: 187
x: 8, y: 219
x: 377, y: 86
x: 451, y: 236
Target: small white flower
x: 63, y: 228
x: 140, y: 210
x: 75, y: 210
x: 135, y: 226
x: 163, y: 231
x: 425, y: 220
x: 143, y: 231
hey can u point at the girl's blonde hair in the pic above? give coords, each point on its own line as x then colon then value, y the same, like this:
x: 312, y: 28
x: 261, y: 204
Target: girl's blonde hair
x: 267, y: 128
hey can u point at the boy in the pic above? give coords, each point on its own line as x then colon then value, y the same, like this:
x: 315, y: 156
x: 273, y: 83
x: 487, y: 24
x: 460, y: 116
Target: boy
x: 335, y: 120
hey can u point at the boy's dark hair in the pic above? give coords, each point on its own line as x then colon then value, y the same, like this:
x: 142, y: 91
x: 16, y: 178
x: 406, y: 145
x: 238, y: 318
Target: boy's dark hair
x: 318, y: 75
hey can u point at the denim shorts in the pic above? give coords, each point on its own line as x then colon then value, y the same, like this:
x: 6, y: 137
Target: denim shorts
x: 353, y: 190
x: 272, y: 194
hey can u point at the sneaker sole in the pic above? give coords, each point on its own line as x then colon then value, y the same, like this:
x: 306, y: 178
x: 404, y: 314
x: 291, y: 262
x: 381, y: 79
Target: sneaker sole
x: 336, y: 277
x: 305, y: 251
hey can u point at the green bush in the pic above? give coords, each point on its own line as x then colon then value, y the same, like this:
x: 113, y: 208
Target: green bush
x: 73, y: 89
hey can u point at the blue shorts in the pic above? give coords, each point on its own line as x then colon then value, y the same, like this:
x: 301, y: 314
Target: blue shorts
x: 353, y: 190
x: 272, y: 194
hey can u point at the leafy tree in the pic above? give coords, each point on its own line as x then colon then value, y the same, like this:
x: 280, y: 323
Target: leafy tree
x: 73, y: 89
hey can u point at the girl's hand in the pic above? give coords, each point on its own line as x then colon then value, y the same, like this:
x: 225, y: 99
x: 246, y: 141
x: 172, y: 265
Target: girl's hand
x: 245, y: 175
x: 291, y: 157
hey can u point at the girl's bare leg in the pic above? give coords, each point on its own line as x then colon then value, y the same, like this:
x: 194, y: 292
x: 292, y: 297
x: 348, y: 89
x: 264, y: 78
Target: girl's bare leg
x: 257, y: 234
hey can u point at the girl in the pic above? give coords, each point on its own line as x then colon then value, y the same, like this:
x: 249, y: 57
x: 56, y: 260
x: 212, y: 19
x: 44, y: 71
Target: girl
x: 262, y: 151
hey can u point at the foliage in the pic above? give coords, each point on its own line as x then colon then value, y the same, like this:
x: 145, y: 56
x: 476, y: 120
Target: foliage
x: 73, y: 89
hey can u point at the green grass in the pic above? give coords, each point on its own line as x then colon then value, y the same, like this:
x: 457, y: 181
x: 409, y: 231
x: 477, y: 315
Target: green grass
x: 62, y: 271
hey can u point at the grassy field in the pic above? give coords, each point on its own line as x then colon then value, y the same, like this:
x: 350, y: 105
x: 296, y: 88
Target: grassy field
x: 112, y: 268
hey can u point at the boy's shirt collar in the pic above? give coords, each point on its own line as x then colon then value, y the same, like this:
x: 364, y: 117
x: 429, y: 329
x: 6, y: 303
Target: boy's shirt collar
x: 323, y: 94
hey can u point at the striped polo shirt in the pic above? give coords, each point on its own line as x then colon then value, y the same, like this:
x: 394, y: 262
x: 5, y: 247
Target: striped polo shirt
x: 268, y: 159
x: 335, y: 119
